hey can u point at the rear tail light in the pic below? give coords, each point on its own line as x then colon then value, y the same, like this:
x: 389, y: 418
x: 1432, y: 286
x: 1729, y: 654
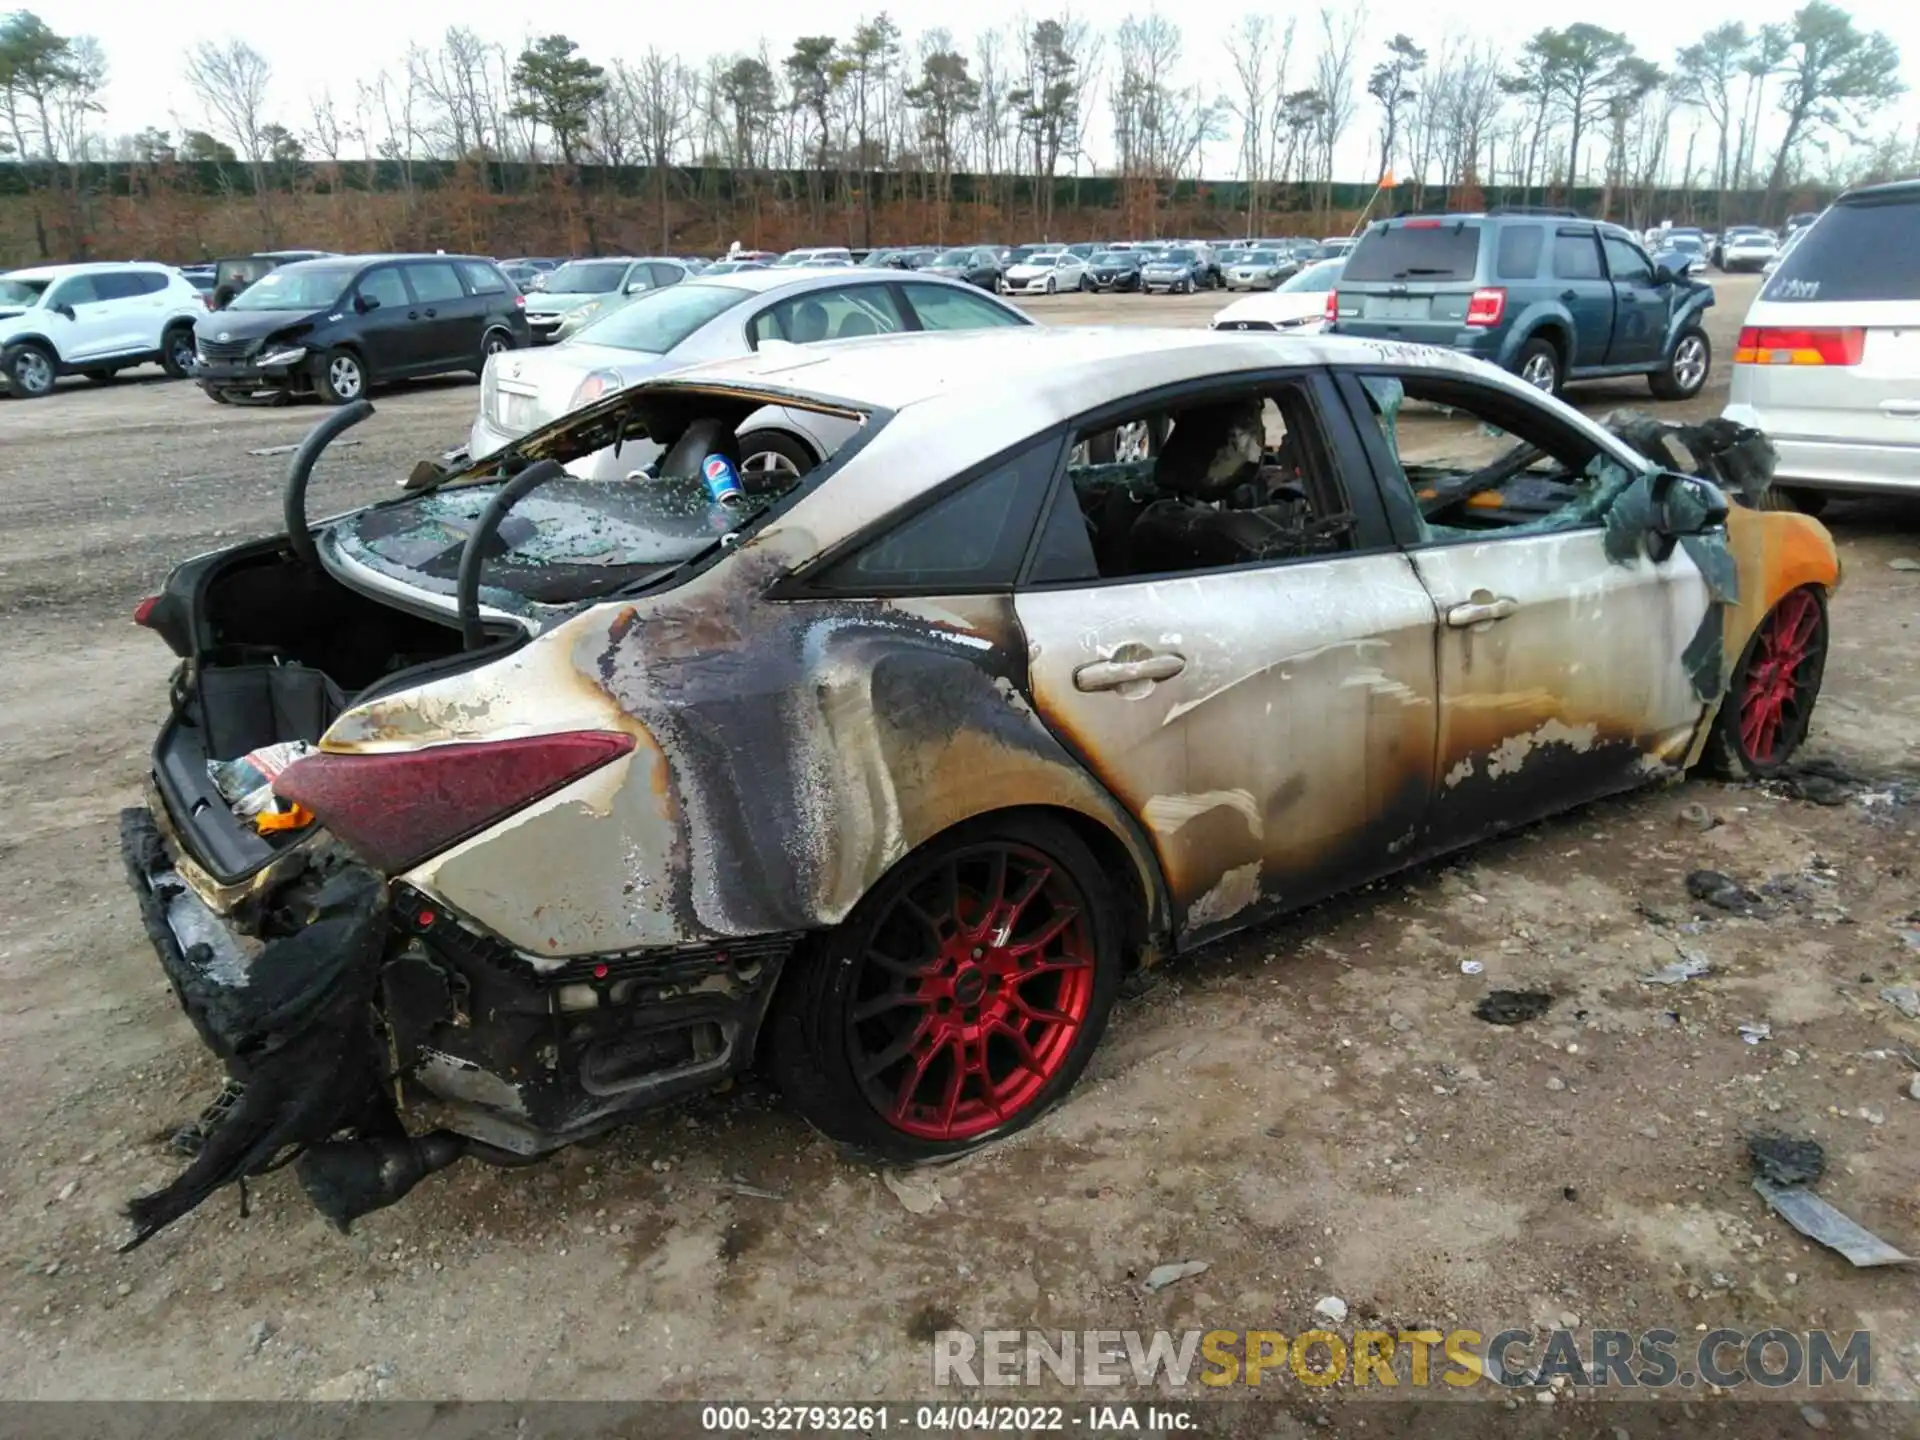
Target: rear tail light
x: 520, y: 301
x: 1487, y: 306
x: 394, y: 810
x: 600, y: 382
x: 143, y: 612
x: 1770, y: 345
x: 1333, y: 306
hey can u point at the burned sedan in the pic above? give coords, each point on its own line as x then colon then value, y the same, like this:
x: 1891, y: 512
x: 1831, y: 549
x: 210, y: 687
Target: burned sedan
x: 489, y: 815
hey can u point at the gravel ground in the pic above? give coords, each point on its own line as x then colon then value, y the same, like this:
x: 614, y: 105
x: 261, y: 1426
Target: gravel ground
x: 1311, y: 1109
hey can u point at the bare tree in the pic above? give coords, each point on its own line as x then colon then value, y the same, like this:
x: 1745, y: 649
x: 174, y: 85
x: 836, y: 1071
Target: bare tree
x: 993, y: 117
x: 230, y: 81
x: 1049, y: 101
x: 1251, y: 50
x: 1158, y: 125
x: 663, y: 108
x: 1333, y: 77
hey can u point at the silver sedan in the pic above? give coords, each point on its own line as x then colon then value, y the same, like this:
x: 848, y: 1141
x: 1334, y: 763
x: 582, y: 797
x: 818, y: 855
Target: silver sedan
x: 718, y: 318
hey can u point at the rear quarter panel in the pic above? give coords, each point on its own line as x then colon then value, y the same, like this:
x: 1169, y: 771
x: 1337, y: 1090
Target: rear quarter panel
x: 786, y: 756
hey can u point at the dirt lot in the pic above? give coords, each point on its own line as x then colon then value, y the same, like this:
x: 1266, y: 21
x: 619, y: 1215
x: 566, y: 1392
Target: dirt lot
x: 1312, y: 1109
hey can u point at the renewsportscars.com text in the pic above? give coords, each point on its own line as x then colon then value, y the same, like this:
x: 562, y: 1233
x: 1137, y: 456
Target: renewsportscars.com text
x: 1406, y: 1359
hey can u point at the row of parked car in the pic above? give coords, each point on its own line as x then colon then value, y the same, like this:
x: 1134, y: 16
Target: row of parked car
x: 1731, y: 251
x: 1825, y: 363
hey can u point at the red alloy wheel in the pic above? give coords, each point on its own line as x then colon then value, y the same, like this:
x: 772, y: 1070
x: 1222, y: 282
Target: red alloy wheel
x: 1781, y: 669
x: 972, y: 993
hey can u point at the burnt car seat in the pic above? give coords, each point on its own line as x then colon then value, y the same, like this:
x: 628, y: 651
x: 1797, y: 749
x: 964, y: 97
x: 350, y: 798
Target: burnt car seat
x: 1221, y: 504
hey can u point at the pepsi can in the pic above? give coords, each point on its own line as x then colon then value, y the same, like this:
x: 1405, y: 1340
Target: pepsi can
x: 723, y: 481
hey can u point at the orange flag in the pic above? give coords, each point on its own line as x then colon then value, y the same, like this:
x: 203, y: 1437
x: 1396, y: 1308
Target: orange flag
x: 1387, y: 181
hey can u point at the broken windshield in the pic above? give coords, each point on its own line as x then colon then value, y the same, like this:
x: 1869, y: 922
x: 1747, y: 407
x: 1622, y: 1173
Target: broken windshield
x: 575, y: 539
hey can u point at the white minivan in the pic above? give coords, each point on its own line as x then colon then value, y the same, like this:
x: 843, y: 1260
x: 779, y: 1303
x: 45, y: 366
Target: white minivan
x: 1828, y: 361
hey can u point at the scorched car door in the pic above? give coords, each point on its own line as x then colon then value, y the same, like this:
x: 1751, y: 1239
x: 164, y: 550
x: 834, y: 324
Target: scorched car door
x: 1272, y: 729
x: 1561, y: 671
x: 1270, y: 724
x: 1560, y: 674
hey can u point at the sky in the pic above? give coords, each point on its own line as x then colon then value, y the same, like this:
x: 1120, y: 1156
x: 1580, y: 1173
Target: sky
x: 145, y: 42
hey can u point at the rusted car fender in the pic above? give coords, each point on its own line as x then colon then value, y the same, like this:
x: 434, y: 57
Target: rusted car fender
x: 1774, y: 551
x: 786, y: 757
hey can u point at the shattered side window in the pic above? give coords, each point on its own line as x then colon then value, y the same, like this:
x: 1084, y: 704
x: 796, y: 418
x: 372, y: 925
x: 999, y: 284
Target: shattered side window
x: 1477, y: 461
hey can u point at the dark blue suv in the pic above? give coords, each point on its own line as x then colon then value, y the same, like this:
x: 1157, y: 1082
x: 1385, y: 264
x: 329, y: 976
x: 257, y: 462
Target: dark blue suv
x: 1550, y: 297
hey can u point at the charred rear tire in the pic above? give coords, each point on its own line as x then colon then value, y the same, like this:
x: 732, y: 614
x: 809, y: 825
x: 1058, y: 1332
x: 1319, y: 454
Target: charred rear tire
x: 1769, y: 701
x: 960, y: 1000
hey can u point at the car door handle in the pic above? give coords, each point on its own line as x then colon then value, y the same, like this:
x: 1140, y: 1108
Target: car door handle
x: 413, y: 314
x: 1478, y: 611
x: 432, y: 314
x: 1112, y: 674
x: 1901, y: 407
x: 1569, y: 296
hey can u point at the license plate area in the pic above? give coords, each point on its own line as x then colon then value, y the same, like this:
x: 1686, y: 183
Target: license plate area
x: 1399, y: 307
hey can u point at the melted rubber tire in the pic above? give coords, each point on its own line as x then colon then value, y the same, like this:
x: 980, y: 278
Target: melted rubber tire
x: 1725, y: 756
x: 807, y: 1047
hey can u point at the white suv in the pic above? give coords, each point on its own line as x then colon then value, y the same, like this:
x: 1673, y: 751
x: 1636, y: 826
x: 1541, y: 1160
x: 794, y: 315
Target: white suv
x: 93, y: 320
x: 1828, y: 361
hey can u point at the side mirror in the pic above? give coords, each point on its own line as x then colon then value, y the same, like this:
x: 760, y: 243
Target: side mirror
x: 1686, y: 505
x: 364, y: 303
x: 1667, y: 271
x: 636, y: 286
x: 63, y: 309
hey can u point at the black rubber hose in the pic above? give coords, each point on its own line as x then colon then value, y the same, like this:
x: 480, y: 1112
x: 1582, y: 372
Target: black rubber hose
x: 466, y: 593
x: 300, y: 470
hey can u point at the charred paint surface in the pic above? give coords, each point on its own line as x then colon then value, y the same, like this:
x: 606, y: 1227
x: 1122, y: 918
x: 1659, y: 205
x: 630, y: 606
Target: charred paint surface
x: 787, y: 754
x: 1578, y: 692
x: 1292, y: 752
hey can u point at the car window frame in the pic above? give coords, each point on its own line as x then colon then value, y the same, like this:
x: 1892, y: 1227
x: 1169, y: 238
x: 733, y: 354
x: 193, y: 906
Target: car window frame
x: 1581, y: 232
x: 360, y: 282
x: 408, y: 268
x: 461, y: 268
x: 962, y: 292
x: 1395, y: 487
x: 910, y: 321
x: 806, y: 583
x: 112, y: 285
x: 1372, y: 529
x: 58, y: 292
x: 1639, y: 254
